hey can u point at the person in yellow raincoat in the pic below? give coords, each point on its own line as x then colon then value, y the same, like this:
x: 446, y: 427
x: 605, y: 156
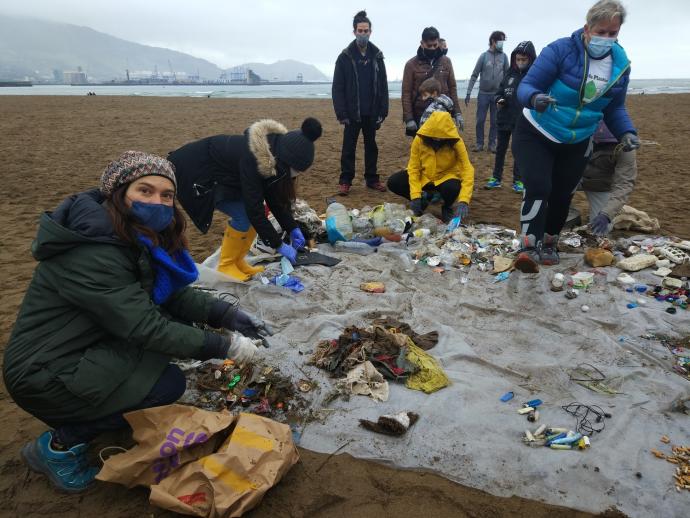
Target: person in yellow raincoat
x: 438, y: 164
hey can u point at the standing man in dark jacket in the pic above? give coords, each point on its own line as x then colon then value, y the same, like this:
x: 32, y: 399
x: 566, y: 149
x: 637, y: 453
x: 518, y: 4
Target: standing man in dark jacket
x: 509, y: 109
x: 429, y: 62
x: 360, y: 100
x: 491, y: 67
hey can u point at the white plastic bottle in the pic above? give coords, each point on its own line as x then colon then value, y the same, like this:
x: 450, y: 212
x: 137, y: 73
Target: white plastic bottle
x: 338, y: 218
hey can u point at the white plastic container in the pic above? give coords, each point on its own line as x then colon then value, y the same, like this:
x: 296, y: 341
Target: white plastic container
x: 337, y: 216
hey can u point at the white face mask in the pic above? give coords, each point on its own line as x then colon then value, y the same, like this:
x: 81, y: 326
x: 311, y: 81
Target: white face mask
x: 294, y: 173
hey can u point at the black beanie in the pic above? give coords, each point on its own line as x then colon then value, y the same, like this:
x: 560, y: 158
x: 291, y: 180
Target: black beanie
x: 296, y: 148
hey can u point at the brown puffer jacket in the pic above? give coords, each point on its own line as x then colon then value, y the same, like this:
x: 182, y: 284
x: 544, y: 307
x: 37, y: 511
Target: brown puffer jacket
x: 417, y: 70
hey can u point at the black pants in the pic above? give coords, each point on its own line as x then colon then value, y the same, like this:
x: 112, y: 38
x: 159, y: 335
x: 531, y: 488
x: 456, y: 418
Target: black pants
x: 371, y: 151
x: 551, y: 172
x: 168, y: 389
x: 502, y: 142
x: 399, y: 183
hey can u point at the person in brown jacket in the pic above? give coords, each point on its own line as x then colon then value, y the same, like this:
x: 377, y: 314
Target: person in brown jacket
x: 429, y: 62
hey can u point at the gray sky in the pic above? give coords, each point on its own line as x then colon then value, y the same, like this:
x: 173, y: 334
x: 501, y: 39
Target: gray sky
x: 231, y: 32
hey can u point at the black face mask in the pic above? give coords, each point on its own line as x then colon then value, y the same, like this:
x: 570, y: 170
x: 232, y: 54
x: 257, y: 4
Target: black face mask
x: 432, y: 53
x: 444, y: 51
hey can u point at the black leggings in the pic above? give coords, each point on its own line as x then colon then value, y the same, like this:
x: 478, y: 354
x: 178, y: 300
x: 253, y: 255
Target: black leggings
x: 550, y: 172
x: 168, y: 389
x: 399, y: 183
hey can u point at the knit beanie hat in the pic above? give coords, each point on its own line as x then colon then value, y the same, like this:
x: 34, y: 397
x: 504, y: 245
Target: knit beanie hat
x: 131, y: 166
x: 296, y: 148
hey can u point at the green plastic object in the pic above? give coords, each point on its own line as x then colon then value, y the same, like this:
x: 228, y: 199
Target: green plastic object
x: 235, y: 380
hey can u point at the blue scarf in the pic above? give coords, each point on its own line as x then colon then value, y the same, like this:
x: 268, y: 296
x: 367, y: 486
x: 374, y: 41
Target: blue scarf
x: 171, y: 273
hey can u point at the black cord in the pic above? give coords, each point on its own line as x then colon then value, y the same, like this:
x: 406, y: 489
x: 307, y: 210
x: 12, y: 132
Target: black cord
x: 590, y: 418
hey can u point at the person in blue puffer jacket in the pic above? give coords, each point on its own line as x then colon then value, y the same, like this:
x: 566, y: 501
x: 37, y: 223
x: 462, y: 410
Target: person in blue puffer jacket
x: 573, y: 84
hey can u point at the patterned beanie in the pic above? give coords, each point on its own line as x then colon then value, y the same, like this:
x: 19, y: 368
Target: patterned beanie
x: 131, y: 166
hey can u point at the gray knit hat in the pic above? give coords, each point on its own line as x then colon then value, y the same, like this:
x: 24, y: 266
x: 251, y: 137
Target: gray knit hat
x: 131, y: 166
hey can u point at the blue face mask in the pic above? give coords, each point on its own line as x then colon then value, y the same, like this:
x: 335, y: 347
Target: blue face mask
x: 599, y: 46
x: 156, y: 216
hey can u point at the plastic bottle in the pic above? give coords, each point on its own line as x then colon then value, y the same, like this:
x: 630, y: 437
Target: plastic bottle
x: 338, y: 223
x: 354, y: 247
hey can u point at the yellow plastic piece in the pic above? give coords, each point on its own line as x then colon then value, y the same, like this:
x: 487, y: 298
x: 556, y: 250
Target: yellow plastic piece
x: 430, y: 377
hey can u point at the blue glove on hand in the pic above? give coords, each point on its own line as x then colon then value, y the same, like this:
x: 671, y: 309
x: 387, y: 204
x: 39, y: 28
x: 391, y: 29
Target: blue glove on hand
x: 288, y: 252
x: 416, y: 206
x: 600, y: 224
x: 297, y: 238
x: 462, y: 210
x: 630, y: 141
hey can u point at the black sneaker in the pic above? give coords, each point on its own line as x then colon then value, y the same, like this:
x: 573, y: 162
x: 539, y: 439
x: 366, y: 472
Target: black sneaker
x: 549, y: 250
x: 528, y: 258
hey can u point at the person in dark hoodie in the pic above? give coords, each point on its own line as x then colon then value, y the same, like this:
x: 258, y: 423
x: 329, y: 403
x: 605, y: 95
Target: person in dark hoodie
x: 360, y: 101
x: 509, y: 110
x: 108, y: 307
x: 236, y: 174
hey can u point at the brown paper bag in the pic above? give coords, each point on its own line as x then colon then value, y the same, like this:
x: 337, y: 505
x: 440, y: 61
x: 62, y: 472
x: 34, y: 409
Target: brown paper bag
x: 168, y: 437
x: 254, y: 458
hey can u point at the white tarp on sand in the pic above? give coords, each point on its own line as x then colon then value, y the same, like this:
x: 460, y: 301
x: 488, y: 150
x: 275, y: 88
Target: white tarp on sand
x: 514, y: 335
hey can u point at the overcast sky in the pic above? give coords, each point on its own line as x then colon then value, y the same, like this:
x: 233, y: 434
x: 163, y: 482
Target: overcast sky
x: 231, y: 32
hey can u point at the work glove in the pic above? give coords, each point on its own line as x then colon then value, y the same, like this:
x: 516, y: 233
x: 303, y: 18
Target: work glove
x: 411, y: 126
x: 416, y: 206
x: 297, y: 238
x: 379, y: 121
x: 630, y: 141
x: 288, y: 252
x: 344, y: 122
x: 467, y: 100
x: 242, y: 349
x: 462, y: 210
x: 600, y: 224
x: 460, y: 122
x: 541, y: 101
x: 249, y: 325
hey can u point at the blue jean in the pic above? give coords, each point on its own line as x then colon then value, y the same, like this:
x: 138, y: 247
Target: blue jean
x: 238, y: 214
x: 486, y: 102
x: 168, y: 389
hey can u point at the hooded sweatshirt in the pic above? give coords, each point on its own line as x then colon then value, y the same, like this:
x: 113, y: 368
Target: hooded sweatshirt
x: 491, y: 67
x: 509, y: 112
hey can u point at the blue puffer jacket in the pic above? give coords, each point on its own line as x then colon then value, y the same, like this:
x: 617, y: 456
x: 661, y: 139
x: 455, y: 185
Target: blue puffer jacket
x: 561, y: 71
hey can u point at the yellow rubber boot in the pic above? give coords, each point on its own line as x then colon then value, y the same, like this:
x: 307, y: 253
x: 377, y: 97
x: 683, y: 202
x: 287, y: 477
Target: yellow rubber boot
x: 241, y: 263
x: 230, y: 250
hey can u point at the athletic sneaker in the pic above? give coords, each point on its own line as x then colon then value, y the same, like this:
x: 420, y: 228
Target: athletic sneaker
x: 518, y: 187
x: 528, y: 257
x: 478, y: 147
x: 549, y: 250
x: 492, y: 149
x: 493, y: 183
x: 68, y: 470
x: 343, y: 189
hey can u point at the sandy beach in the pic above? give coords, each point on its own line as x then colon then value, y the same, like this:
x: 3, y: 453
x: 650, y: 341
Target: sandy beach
x: 55, y: 146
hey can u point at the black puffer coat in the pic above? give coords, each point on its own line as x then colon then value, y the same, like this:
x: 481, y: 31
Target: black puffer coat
x: 345, y: 90
x: 236, y: 167
x: 508, y: 114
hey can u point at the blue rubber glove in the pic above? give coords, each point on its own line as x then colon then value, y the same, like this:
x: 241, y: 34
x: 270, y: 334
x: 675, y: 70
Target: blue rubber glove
x: 462, y: 210
x: 600, y: 224
x: 416, y: 206
x: 630, y: 141
x: 297, y: 238
x: 288, y: 252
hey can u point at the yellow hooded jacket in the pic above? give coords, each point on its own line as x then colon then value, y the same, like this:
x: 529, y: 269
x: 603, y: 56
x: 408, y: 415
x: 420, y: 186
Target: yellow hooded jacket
x: 448, y: 163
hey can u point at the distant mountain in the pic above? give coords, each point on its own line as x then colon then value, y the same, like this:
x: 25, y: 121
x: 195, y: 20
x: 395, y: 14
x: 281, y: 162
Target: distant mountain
x: 35, y: 48
x: 285, y: 70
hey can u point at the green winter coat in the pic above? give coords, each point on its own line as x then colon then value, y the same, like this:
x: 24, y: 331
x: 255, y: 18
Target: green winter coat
x: 88, y: 340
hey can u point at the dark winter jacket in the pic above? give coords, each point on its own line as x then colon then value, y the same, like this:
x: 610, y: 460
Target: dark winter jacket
x: 510, y: 110
x: 417, y: 70
x: 238, y: 167
x: 561, y: 71
x: 88, y: 340
x: 345, y: 89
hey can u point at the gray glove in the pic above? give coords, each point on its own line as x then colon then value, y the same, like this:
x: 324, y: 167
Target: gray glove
x: 411, y: 126
x: 416, y: 206
x: 630, y: 141
x: 237, y: 320
x: 467, y: 100
x: 242, y: 349
x: 460, y: 122
x: 541, y: 101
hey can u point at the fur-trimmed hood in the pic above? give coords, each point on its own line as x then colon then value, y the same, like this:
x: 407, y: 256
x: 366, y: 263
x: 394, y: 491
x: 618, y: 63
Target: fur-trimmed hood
x: 260, y: 145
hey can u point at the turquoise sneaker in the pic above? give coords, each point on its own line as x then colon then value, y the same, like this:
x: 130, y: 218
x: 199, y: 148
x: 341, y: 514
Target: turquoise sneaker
x: 518, y: 187
x: 67, y: 470
x: 493, y: 183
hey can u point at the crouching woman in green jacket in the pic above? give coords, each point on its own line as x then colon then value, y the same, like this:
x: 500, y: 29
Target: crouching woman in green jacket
x: 105, y: 313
